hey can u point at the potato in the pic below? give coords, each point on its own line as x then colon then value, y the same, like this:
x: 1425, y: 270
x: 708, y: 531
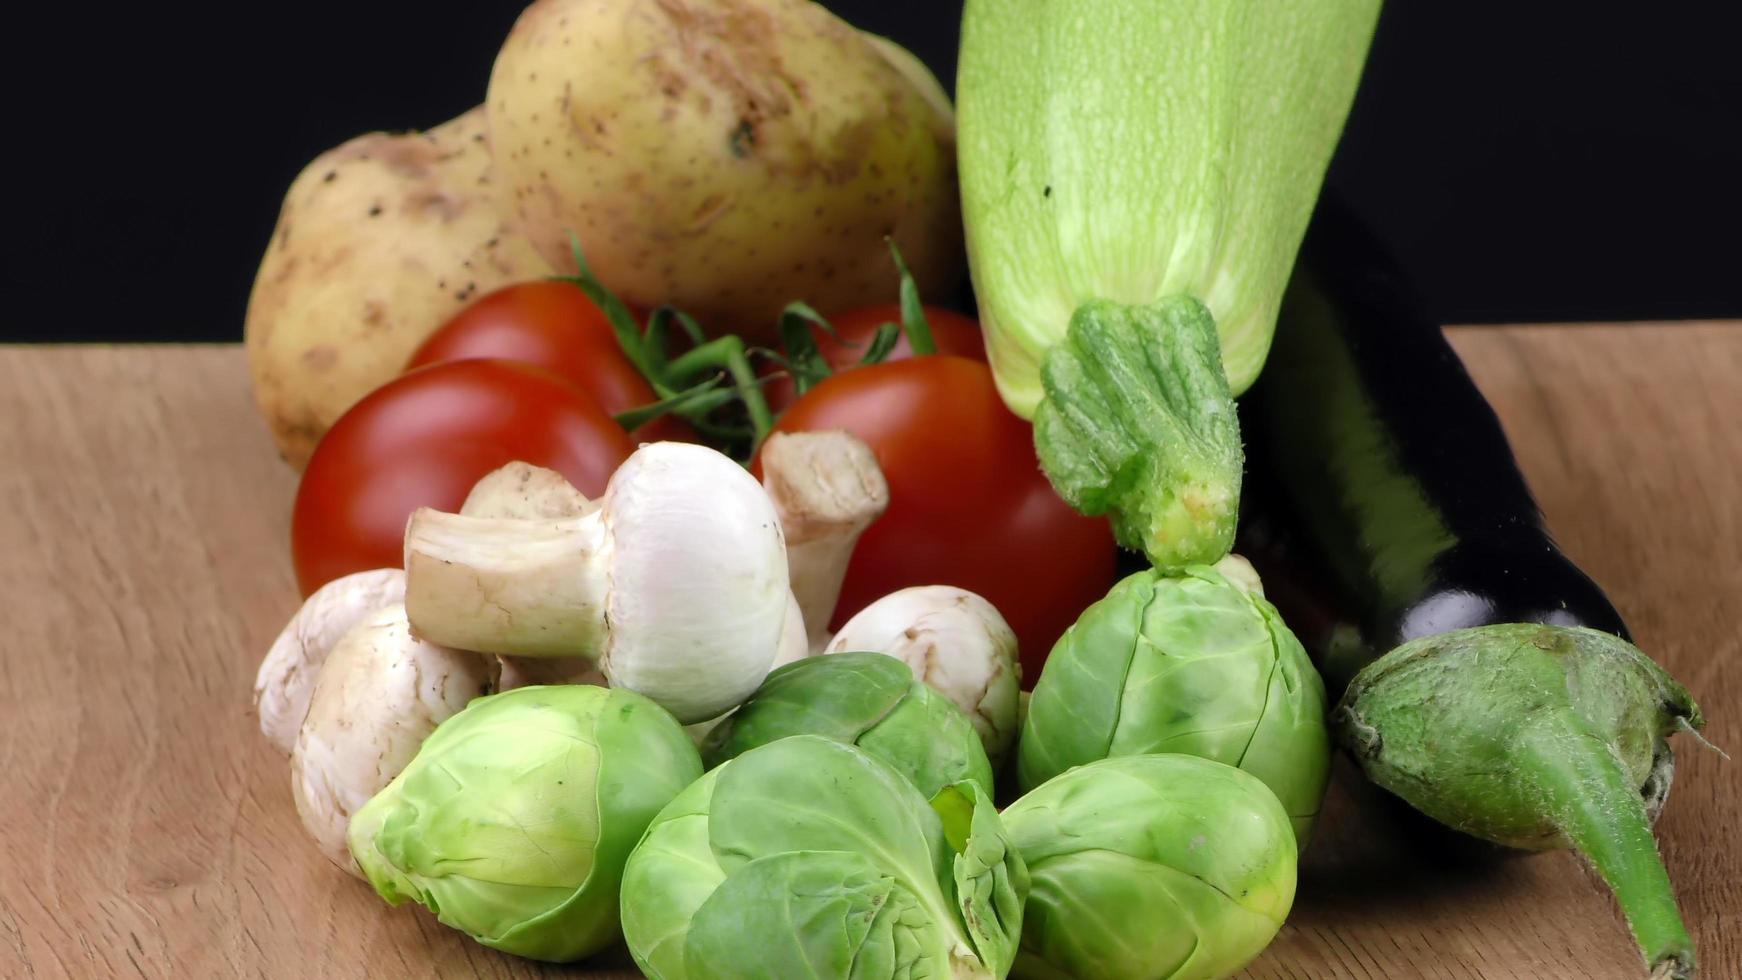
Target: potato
x: 923, y: 81
x: 725, y: 156
x: 379, y: 242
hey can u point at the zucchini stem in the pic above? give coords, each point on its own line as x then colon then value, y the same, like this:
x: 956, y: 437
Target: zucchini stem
x: 1138, y: 423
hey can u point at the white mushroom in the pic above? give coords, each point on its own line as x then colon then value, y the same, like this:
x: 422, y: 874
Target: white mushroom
x: 1241, y: 574
x: 794, y: 638
x: 380, y: 693
x: 794, y: 646
x: 522, y: 491
x: 827, y: 489
x: 953, y: 640
x: 287, y: 676
x: 535, y: 671
x: 525, y: 492
x: 677, y: 584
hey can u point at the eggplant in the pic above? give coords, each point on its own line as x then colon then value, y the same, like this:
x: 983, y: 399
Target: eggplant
x: 1485, y: 679
x: 1382, y: 501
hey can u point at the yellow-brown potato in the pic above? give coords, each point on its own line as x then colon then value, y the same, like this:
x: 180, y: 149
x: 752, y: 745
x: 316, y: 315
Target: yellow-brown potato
x: 923, y: 81
x: 379, y: 242
x: 725, y: 156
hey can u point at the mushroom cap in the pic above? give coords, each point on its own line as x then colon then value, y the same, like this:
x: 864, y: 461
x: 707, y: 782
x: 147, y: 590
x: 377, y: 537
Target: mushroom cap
x: 795, y: 642
x: 526, y: 492
x: 697, y: 595
x: 287, y: 674
x: 953, y: 640
x: 380, y: 693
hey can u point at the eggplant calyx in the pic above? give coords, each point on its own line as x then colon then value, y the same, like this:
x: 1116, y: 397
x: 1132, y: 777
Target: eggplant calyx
x: 1605, y: 816
x: 1673, y: 968
x: 1361, y: 739
x: 1535, y: 737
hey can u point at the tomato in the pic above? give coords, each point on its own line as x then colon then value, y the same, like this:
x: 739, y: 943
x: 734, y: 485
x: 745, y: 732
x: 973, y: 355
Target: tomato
x: 968, y: 503
x: 423, y: 439
x: 951, y: 332
x: 554, y: 325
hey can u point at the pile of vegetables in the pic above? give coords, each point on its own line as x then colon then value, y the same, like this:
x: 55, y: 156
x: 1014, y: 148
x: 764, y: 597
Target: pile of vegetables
x: 672, y: 571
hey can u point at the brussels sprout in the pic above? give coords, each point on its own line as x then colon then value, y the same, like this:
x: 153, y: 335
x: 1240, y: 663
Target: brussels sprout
x: 513, y: 822
x: 808, y: 857
x: 870, y: 700
x: 1151, y: 866
x: 1191, y: 663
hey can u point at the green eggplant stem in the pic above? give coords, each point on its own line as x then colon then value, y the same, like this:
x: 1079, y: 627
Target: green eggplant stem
x: 1590, y: 796
x: 1535, y: 737
x: 1138, y: 423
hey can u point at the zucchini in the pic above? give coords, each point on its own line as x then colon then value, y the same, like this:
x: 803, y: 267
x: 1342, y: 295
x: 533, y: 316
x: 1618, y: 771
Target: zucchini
x: 1136, y: 176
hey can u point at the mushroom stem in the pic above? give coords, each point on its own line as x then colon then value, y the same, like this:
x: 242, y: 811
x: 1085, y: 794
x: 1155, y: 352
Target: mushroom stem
x: 507, y: 585
x: 827, y: 489
x: 526, y: 492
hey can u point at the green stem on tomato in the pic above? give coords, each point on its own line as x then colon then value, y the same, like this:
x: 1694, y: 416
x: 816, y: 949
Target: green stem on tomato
x: 728, y: 354
x: 913, y: 321
x: 803, y: 361
x: 622, y: 321
x: 690, y: 327
x: 668, y: 377
x: 698, y: 400
x: 654, y: 339
x: 721, y: 434
x: 881, y: 343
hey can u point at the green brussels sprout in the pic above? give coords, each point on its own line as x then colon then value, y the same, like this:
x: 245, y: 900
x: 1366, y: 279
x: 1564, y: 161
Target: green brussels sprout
x: 1151, y: 866
x: 1192, y: 663
x: 809, y: 857
x: 869, y: 699
x: 514, y: 820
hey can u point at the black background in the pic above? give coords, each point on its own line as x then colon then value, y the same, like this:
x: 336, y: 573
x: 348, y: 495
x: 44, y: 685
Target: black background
x: 1526, y: 161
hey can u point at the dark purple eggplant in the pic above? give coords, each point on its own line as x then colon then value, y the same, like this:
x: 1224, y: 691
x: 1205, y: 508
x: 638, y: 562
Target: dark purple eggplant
x: 1382, y: 502
x: 1484, y: 678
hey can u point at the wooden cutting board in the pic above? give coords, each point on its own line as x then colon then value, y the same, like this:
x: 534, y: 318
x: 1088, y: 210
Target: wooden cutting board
x: 146, y: 829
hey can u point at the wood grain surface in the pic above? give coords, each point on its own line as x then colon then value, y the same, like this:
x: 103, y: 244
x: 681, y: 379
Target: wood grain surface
x: 146, y: 828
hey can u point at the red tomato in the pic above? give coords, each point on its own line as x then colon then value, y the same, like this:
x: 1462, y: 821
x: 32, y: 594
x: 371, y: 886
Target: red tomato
x: 952, y: 332
x: 968, y: 503
x: 422, y: 440
x: 555, y: 326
